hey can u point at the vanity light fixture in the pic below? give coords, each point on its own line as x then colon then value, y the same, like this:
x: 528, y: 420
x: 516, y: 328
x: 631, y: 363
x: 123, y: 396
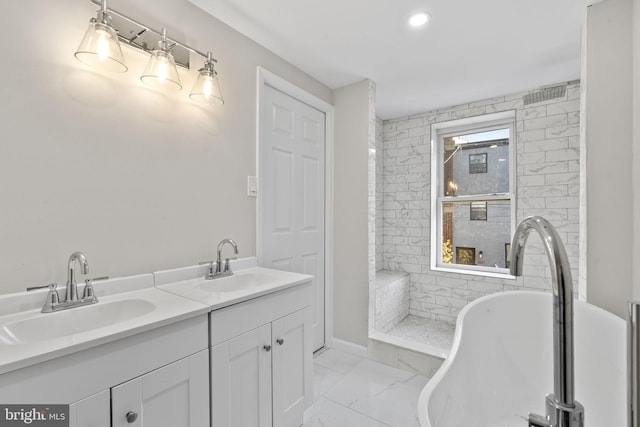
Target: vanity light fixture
x: 419, y: 19
x: 206, y: 89
x: 161, y: 69
x: 100, y: 46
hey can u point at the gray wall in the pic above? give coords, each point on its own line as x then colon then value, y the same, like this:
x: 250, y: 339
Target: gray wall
x: 608, y: 138
x: 92, y: 161
x: 351, y: 261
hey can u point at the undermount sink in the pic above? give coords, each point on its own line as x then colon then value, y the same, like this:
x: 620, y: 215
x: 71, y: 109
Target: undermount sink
x: 42, y: 327
x: 238, y: 282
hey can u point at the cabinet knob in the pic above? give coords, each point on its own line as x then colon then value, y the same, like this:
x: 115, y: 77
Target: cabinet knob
x: 131, y: 417
x: 267, y: 347
x: 280, y: 341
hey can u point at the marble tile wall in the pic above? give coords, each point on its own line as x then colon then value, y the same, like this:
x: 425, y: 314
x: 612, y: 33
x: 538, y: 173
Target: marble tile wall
x: 379, y: 194
x: 548, y: 184
x: 392, y: 299
x: 371, y: 193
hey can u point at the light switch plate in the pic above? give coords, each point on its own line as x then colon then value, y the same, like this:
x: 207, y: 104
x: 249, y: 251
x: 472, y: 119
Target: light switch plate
x: 252, y: 186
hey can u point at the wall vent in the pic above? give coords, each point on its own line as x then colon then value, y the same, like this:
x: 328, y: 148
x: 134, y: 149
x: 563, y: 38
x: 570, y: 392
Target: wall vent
x: 545, y: 94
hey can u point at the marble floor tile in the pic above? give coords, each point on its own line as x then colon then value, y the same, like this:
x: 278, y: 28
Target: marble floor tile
x: 387, y: 394
x: 351, y: 391
x: 325, y: 413
x: 337, y: 360
x: 323, y: 380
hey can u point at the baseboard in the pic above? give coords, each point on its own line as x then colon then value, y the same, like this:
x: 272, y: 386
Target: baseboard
x: 349, y: 347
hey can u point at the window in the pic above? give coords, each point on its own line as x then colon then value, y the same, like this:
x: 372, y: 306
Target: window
x: 473, y: 194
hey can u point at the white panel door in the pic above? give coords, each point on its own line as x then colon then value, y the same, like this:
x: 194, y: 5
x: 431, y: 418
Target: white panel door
x: 291, y: 193
x: 176, y: 395
x: 241, y: 380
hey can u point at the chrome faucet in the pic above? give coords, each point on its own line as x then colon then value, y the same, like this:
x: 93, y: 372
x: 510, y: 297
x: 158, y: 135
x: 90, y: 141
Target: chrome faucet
x: 71, y: 299
x: 221, y: 271
x: 561, y: 407
x: 71, y: 293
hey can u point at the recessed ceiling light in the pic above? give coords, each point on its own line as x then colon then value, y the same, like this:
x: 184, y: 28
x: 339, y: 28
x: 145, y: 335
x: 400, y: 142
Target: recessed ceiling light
x: 418, y: 19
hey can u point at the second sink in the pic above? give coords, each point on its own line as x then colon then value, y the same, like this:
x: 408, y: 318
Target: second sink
x: 240, y: 281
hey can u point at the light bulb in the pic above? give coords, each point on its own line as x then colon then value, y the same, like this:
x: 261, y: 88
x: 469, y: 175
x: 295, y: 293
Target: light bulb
x: 102, y: 45
x: 163, y: 71
x: 100, y: 48
x: 208, y: 87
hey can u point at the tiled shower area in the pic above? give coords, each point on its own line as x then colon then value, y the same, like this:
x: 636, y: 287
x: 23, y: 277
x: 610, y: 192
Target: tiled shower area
x: 415, y: 306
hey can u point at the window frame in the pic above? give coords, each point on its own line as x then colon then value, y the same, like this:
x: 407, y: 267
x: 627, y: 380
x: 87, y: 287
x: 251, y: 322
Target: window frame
x: 439, y: 131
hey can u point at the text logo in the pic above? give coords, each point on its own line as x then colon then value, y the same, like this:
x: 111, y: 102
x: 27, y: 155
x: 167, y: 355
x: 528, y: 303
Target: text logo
x: 34, y: 415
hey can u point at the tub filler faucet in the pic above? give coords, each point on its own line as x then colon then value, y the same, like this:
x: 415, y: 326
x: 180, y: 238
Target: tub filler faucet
x: 561, y: 407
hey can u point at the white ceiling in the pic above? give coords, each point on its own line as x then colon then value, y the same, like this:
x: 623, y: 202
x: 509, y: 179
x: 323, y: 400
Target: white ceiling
x: 470, y: 50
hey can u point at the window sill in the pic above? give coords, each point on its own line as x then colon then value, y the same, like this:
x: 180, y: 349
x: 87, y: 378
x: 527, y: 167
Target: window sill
x: 499, y: 273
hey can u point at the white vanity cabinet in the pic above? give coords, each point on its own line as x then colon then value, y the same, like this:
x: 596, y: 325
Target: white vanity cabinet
x: 176, y: 395
x: 93, y: 411
x: 161, y: 376
x: 261, y: 360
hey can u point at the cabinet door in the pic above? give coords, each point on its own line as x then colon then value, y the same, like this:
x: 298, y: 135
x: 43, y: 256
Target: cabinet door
x: 292, y: 368
x: 175, y: 395
x: 94, y: 411
x: 241, y: 380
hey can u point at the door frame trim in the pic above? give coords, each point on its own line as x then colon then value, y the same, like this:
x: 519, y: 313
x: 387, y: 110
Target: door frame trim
x: 266, y: 77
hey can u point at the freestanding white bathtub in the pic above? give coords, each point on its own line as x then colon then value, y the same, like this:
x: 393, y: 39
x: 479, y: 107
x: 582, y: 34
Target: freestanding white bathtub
x: 500, y: 366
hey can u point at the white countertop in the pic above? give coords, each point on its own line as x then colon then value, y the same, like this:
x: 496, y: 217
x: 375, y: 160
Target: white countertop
x: 245, y: 284
x: 127, y: 306
x: 159, y: 308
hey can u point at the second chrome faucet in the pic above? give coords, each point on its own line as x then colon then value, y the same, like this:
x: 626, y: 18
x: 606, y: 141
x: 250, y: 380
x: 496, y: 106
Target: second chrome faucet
x: 220, y: 269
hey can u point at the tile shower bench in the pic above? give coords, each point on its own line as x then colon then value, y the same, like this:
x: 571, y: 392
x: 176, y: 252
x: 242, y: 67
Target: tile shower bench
x: 401, y: 339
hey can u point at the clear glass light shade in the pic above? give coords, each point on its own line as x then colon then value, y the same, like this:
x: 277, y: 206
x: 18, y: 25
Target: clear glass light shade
x: 206, y: 89
x: 100, y: 48
x: 161, y: 71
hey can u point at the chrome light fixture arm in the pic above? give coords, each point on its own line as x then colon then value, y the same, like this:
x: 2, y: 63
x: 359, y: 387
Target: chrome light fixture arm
x: 131, y: 41
x: 101, y: 48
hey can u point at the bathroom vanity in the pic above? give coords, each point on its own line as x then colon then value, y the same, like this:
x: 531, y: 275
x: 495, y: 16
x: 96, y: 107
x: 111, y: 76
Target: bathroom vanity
x: 177, y: 350
x: 264, y: 345
x: 260, y: 344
